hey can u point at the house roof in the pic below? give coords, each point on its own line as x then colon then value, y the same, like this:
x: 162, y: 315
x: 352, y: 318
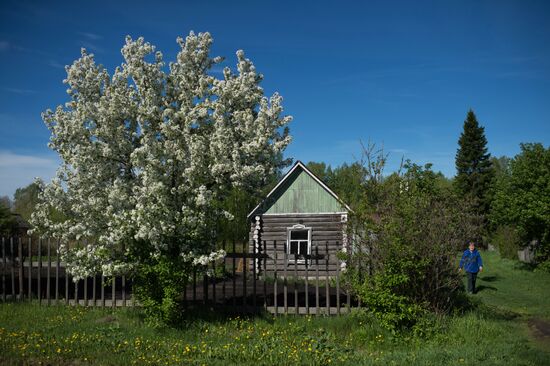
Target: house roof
x: 20, y: 222
x: 297, y: 165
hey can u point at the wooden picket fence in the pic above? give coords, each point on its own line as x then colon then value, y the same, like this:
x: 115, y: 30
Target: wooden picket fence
x: 33, y: 270
x: 244, y: 281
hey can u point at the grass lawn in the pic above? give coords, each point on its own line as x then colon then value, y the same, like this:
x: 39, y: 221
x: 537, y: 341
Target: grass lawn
x: 496, y: 333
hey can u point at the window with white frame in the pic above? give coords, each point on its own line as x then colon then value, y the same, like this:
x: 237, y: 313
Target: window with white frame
x: 299, y: 243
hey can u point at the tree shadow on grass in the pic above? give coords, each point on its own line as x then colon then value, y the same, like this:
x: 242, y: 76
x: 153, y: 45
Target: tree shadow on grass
x: 484, y: 288
x: 489, y: 278
x: 195, y: 316
x: 522, y: 266
x: 494, y: 312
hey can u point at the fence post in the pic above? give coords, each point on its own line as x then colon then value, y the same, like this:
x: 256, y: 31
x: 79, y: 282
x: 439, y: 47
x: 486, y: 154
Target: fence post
x: 123, y: 282
x: 13, y: 295
x: 245, y: 303
x: 224, y: 270
x: 21, y: 279
x: 67, y: 284
x: 285, y: 287
x: 94, y: 290
x: 254, y: 251
x: 86, y: 291
x: 102, y: 290
x: 265, y: 272
x: 317, y: 310
x: 307, y: 283
x: 57, y: 263
x: 4, y: 266
x: 113, y: 293
x: 296, y: 305
x: 48, y: 273
x: 348, y: 295
x: 29, y: 270
x: 337, y: 283
x: 276, y: 279
x: 234, y: 277
x: 327, y: 290
x: 124, y: 290
x: 76, y: 303
x: 214, y: 283
x: 86, y: 281
x: 39, y: 277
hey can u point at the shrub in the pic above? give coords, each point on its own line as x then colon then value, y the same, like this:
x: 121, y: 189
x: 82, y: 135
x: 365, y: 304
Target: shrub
x: 403, y: 260
x: 507, y: 240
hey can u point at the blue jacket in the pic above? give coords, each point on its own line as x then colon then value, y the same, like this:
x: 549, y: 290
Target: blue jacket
x: 471, y: 261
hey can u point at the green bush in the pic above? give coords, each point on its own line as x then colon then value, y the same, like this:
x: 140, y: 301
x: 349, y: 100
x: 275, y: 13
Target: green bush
x: 158, y: 286
x: 393, y: 310
x: 507, y: 240
x: 403, y: 264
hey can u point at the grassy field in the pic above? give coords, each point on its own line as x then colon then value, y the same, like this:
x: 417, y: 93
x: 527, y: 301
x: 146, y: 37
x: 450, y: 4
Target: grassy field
x: 496, y: 333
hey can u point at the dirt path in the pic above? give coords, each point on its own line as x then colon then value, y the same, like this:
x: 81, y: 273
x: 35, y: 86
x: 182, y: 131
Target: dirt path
x: 540, y: 330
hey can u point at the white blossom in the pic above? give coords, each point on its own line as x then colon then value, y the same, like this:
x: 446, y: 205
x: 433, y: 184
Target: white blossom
x: 147, y: 150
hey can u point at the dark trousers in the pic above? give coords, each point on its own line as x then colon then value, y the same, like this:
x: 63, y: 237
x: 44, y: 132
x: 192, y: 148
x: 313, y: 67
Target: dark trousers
x: 471, y: 282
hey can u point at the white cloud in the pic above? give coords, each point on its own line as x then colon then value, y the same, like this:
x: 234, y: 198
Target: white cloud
x: 19, y: 91
x: 399, y: 151
x: 18, y: 170
x: 57, y: 65
x: 92, y: 36
x: 90, y: 46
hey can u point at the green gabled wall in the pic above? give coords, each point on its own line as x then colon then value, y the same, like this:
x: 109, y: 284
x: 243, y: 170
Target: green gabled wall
x: 300, y: 193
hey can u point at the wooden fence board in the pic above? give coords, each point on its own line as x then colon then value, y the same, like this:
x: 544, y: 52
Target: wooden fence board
x: 285, y: 287
x: 29, y: 272
x: 48, y: 272
x: 57, y: 264
x: 12, y: 268
x: 4, y: 269
x: 224, y: 271
x: 269, y: 264
x: 234, y: 277
x: 113, y: 292
x: 327, y: 281
x: 296, y: 306
x: 39, y: 276
x: 317, y: 280
x: 275, y: 281
x: 103, y: 291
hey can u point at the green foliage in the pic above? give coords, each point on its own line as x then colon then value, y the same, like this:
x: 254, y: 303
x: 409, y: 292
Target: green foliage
x: 238, y: 202
x: 25, y: 200
x: 507, y: 240
x: 407, y: 234
x: 321, y: 171
x: 382, y: 294
x: 345, y: 180
x: 158, y: 288
x: 347, y: 183
x: 7, y: 222
x: 522, y: 197
x: 473, y: 163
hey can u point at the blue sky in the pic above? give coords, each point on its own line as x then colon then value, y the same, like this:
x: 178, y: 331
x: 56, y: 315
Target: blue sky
x: 400, y: 73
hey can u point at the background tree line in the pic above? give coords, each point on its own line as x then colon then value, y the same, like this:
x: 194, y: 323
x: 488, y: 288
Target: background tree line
x: 409, y: 225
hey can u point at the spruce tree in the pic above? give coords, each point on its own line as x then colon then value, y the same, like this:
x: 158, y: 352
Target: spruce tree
x: 473, y: 164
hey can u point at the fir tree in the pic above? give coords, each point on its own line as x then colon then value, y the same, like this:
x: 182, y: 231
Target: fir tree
x: 473, y: 163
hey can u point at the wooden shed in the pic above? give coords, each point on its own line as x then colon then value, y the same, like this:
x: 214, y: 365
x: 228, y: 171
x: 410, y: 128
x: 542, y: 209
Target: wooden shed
x: 301, y: 224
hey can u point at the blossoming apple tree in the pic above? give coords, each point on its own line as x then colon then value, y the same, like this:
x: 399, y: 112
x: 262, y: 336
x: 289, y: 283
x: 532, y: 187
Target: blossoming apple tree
x: 148, y: 151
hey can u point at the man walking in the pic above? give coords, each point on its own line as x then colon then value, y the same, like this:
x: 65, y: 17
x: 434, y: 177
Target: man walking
x: 472, y: 264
